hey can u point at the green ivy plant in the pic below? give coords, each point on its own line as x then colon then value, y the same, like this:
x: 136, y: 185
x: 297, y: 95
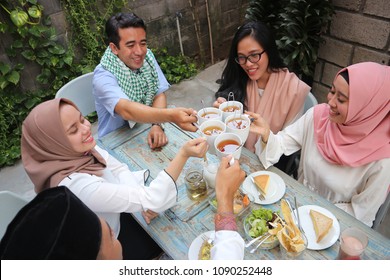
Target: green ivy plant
x: 175, y: 68
x: 88, y: 18
x: 298, y: 25
x: 34, y: 41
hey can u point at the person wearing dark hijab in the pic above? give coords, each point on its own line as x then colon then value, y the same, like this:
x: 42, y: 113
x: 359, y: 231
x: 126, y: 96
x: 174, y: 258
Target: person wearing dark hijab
x: 56, y: 225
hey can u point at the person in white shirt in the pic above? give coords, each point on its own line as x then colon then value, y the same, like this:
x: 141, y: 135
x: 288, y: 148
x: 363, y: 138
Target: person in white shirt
x: 345, y: 144
x: 58, y: 149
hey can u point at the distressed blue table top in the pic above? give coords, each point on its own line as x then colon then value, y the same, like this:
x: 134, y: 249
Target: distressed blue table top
x: 176, y: 228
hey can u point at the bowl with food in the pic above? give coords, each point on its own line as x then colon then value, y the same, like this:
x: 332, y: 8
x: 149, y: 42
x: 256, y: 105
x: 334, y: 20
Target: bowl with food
x: 241, y: 202
x: 230, y: 107
x: 228, y: 144
x: 262, y: 222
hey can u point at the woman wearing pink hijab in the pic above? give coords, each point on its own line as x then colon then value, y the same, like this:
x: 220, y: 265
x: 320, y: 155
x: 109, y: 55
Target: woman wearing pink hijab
x: 345, y: 144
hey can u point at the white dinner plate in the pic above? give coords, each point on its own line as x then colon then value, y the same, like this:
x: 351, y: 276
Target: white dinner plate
x: 193, y: 252
x: 276, y: 188
x: 307, y: 225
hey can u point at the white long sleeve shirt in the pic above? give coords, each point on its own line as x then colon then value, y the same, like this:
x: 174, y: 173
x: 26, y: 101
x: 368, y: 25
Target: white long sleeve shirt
x: 120, y: 190
x: 228, y: 245
x: 359, y: 191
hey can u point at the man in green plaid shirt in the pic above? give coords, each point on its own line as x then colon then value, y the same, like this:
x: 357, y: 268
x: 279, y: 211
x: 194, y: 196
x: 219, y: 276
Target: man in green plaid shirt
x: 129, y: 86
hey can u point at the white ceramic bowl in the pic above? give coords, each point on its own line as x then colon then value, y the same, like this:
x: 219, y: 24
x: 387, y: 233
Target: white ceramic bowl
x: 205, y: 128
x: 231, y: 106
x: 209, y: 113
x: 231, y: 147
x: 238, y: 124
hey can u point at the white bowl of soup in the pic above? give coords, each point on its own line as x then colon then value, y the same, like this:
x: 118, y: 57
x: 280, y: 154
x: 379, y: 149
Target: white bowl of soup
x: 210, y: 129
x: 228, y: 144
x: 230, y: 107
x: 209, y: 113
x: 238, y: 124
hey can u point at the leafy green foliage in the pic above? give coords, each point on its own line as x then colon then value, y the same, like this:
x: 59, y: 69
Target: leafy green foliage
x: 298, y: 25
x: 34, y: 42
x: 175, y: 68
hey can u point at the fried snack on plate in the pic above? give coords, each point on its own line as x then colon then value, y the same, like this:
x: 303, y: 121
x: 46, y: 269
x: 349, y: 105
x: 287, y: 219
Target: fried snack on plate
x: 205, y: 251
x: 290, y: 236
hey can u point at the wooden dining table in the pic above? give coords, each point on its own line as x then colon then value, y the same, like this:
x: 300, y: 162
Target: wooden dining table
x: 175, y: 229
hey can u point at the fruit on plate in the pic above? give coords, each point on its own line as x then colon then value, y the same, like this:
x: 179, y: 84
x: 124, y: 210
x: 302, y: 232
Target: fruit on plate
x: 321, y: 223
x: 262, y: 182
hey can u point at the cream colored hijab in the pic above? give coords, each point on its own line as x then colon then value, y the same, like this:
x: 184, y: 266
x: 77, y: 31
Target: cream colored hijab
x: 46, y: 152
x: 282, y: 100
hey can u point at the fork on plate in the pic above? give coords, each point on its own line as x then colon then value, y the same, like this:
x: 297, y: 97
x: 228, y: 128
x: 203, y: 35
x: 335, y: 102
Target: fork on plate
x: 208, y: 239
x: 261, y: 195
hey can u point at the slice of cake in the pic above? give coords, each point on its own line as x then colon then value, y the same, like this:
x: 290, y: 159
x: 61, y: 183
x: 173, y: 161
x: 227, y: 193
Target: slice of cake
x: 322, y: 224
x: 262, y: 182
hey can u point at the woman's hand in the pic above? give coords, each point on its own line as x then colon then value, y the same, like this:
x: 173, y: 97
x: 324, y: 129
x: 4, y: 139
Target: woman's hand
x: 149, y: 215
x: 259, y: 126
x: 195, y: 148
x: 218, y: 102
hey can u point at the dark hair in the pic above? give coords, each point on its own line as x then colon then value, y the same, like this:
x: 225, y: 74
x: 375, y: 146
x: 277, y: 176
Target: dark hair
x: 234, y: 79
x: 345, y: 75
x: 122, y: 20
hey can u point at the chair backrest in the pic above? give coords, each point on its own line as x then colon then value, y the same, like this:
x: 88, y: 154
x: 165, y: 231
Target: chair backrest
x: 381, y: 214
x: 310, y: 101
x: 10, y: 204
x: 79, y: 90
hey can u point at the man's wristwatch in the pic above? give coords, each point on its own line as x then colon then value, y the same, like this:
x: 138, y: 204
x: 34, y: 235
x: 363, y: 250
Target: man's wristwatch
x: 160, y: 125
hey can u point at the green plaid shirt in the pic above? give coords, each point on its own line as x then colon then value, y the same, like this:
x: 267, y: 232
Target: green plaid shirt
x: 140, y: 86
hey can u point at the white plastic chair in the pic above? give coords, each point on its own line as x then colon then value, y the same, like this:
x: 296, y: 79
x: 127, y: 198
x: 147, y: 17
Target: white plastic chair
x: 10, y: 204
x: 310, y: 101
x: 79, y: 90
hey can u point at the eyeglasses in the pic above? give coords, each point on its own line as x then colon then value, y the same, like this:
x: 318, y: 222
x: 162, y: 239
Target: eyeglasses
x: 254, y: 57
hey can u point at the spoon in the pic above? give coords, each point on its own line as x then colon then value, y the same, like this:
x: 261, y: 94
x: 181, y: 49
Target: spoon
x: 254, y: 240
x: 231, y: 162
x: 258, y: 245
x: 204, y: 107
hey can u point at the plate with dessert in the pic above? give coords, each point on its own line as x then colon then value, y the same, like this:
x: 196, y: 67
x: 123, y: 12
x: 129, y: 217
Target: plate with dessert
x: 200, y: 247
x: 269, y: 184
x: 321, y: 227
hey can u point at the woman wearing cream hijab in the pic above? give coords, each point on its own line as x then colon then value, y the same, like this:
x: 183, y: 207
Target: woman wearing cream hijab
x: 345, y: 144
x: 58, y: 149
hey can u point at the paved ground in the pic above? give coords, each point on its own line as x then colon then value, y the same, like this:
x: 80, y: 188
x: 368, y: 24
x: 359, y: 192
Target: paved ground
x: 186, y: 94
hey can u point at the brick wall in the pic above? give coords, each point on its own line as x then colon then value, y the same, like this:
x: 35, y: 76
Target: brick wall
x: 160, y: 17
x: 360, y: 31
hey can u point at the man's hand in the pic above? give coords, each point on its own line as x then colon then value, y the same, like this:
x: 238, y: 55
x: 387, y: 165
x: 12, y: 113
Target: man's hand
x: 157, y: 137
x: 228, y: 180
x: 184, y: 118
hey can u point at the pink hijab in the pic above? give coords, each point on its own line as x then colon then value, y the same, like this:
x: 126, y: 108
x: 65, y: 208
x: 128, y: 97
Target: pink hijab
x: 46, y: 152
x: 283, y: 98
x: 365, y: 136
